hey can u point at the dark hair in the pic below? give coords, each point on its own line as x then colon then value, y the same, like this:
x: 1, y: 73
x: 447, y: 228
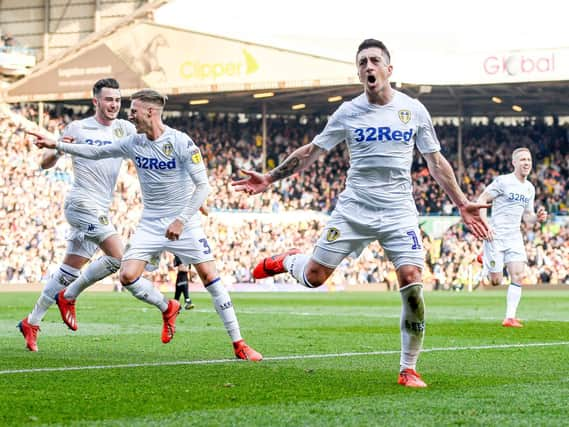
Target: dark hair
x: 100, y: 84
x: 367, y: 43
x: 150, y: 96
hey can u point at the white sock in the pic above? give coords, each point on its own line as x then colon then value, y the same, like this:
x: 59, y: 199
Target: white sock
x: 224, y: 307
x: 296, y: 265
x: 412, y: 324
x: 57, y: 281
x: 144, y: 290
x: 512, y: 300
x: 95, y: 271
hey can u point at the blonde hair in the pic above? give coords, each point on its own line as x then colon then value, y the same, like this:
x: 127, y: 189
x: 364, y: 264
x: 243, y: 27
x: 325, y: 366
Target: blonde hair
x: 519, y: 150
x: 150, y: 96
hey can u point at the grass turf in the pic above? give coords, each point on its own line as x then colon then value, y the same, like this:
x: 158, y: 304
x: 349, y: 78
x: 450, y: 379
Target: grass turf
x: 330, y: 359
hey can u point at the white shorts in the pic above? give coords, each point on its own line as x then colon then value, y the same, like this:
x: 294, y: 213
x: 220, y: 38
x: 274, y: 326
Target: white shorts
x: 87, y: 231
x: 149, y: 241
x: 500, y: 252
x: 354, y: 226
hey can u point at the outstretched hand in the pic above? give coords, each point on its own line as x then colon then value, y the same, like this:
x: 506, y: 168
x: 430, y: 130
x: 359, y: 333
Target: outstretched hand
x: 471, y: 217
x: 541, y: 214
x: 42, y: 141
x: 255, y: 182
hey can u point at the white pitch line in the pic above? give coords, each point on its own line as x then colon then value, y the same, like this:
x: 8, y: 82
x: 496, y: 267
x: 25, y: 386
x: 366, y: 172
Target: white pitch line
x: 379, y: 315
x: 277, y: 358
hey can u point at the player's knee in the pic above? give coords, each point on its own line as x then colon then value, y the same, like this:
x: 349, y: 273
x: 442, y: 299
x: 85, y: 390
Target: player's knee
x: 495, y: 280
x: 127, y: 277
x: 409, y: 274
x: 518, y: 277
x: 316, y: 276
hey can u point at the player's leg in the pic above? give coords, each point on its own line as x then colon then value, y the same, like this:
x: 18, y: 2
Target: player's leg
x: 302, y: 267
x: 143, y: 289
x: 224, y: 307
x: 338, y: 239
x: 95, y: 271
x: 148, y: 242
x: 493, y: 261
x: 178, y: 291
x: 412, y: 324
x: 68, y: 271
x: 100, y: 234
x: 182, y: 278
x: 188, y: 304
x: 194, y: 248
x: 400, y: 238
x: 516, y: 270
x: 100, y: 268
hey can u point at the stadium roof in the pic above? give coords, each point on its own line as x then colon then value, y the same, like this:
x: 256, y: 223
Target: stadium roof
x: 535, y: 99
x: 226, y: 73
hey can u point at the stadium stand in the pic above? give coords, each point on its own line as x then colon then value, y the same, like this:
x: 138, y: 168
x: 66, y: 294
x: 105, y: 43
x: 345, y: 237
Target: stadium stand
x: 33, y: 228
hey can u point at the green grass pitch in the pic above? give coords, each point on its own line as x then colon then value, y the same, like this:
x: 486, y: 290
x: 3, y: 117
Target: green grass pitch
x: 331, y: 359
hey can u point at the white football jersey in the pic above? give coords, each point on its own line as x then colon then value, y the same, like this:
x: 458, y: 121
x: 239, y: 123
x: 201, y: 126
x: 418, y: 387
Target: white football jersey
x: 512, y: 198
x: 165, y: 167
x: 380, y: 140
x: 94, y: 180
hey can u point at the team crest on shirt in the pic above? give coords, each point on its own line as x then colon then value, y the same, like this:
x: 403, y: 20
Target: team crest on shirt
x: 492, y: 263
x: 119, y: 133
x: 104, y: 219
x: 332, y: 234
x: 167, y: 149
x: 404, y: 116
x: 196, y: 156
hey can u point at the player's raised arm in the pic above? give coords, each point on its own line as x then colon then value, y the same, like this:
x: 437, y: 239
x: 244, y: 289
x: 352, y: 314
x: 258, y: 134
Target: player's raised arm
x: 43, y: 141
x: 117, y: 149
x: 485, y: 198
x: 300, y: 159
x: 441, y: 170
x: 50, y: 157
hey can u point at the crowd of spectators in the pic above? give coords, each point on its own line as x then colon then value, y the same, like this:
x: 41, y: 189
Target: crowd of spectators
x: 33, y: 227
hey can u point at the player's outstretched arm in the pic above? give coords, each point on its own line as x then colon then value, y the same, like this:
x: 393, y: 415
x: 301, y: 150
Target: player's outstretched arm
x: 50, y: 157
x: 42, y: 141
x: 470, y: 213
x: 116, y: 149
x: 441, y: 170
x: 300, y: 159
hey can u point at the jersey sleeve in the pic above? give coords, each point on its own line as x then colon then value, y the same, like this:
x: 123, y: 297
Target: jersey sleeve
x: 496, y: 188
x: 334, y: 132
x: 193, y: 163
x: 427, y: 141
x: 191, y: 157
x: 120, y: 148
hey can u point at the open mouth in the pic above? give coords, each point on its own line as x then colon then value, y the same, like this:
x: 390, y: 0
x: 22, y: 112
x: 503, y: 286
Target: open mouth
x: 371, y: 79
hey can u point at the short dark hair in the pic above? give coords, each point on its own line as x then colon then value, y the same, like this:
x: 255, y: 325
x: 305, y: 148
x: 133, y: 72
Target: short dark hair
x: 367, y: 43
x: 150, y: 96
x: 100, y: 84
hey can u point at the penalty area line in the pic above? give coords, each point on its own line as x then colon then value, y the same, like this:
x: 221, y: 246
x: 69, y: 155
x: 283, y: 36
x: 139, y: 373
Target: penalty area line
x: 276, y: 358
